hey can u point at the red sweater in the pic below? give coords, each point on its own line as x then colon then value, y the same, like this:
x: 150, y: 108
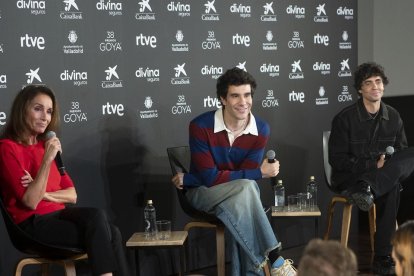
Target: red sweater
x: 14, y: 159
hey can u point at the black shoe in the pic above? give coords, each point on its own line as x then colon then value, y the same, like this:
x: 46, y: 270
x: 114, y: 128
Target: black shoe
x: 383, y: 265
x: 363, y: 198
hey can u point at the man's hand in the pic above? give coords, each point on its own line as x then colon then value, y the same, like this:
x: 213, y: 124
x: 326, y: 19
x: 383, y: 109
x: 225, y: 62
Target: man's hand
x: 269, y: 169
x: 177, y: 180
x: 381, y: 161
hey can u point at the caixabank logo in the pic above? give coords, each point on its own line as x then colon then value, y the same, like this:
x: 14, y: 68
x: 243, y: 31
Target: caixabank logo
x: 35, y: 7
x: 296, y: 71
x: 321, y: 16
x: 33, y: 76
x: 344, y: 70
x: 180, y: 75
x: 112, y: 78
x: 71, y: 11
x: 145, y: 12
x: 210, y: 12
x: 268, y: 13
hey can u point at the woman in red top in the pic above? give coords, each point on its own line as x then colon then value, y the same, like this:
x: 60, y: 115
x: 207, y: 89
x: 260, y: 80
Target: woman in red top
x: 35, y: 193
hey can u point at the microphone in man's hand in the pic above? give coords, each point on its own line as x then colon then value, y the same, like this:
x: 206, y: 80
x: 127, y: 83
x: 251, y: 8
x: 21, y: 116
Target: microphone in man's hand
x: 58, y: 159
x: 389, y: 151
x: 270, y: 155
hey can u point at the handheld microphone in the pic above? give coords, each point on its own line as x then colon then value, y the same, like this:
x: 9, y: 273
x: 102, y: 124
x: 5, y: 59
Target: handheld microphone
x: 270, y: 155
x: 389, y: 151
x: 58, y: 158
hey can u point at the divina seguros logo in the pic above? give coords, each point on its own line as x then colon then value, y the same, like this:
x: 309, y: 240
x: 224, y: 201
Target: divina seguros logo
x: 78, y: 78
x: 36, y: 7
x: 151, y: 75
x: 182, y: 10
x: 113, y: 8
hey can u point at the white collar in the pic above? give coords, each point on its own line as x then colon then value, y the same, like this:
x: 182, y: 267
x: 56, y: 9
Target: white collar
x: 220, y: 126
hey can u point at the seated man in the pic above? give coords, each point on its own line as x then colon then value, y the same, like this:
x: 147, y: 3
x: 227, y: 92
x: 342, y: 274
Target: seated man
x: 360, y: 136
x: 227, y: 147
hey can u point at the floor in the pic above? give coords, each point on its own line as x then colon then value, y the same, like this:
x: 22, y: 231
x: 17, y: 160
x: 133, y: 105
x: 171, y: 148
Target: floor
x: 360, y: 244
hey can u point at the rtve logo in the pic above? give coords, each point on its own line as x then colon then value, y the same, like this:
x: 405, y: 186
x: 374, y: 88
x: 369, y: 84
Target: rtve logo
x: 321, y: 39
x: 241, y: 40
x: 110, y: 109
x: 143, y: 40
x: 35, y: 41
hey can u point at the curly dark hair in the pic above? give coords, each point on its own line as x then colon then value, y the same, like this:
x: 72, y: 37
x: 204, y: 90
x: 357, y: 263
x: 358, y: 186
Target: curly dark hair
x: 234, y: 76
x: 367, y: 70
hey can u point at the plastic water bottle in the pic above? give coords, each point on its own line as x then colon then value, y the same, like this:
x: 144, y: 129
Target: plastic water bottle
x: 150, y: 217
x: 312, y: 190
x: 279, y: 195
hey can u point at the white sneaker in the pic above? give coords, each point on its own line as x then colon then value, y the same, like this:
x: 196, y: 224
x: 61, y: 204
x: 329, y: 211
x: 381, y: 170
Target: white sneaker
x: 286, y: 269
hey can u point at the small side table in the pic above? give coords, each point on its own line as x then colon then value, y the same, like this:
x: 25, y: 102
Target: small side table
x: 314, y: 212
x: 138, y: 241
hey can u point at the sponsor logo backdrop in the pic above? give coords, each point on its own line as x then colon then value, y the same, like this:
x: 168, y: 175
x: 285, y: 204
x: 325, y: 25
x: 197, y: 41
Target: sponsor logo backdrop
x: 130, y: 75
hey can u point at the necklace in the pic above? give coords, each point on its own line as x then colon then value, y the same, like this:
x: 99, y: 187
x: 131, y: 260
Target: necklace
x: 373, y: 115
x: 239, y: 129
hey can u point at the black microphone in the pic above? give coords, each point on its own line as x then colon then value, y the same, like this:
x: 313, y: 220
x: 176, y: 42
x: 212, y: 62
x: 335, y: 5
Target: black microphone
x: 270, y: 155
x: 389, y: 151
x: 58, y: 159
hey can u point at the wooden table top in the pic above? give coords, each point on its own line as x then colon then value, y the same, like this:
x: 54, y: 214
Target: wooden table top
x: 314, y: 212
x: 138, y: 239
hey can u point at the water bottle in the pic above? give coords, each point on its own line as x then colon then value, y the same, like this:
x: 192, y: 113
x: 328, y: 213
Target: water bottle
x: 150, y: 217
x: 279, y: 195
x: 312, y: 191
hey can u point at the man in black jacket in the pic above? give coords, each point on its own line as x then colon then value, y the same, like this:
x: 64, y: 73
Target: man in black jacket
x: 363, y: 139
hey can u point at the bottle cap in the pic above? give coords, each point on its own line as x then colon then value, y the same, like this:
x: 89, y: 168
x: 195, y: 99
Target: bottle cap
x: 312, y: 178
x: 149, y: 201
x: 279, y: 182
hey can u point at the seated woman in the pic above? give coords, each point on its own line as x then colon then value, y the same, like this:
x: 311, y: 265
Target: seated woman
x: 35, y: 193
x: 403, y: 249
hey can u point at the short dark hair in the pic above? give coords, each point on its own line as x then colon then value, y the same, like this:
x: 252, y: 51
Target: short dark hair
x: 367, y: 70
x: 234, y: 76
x: 16, y: 124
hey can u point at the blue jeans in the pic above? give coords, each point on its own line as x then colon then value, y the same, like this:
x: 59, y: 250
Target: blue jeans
x: 237, y: 204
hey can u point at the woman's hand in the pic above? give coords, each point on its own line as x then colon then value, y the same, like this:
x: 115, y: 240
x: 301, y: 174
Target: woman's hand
x: 26, y: 179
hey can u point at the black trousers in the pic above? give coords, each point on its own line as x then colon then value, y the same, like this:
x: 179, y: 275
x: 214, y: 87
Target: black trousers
x: 386, y: 185
x: 86, y: 228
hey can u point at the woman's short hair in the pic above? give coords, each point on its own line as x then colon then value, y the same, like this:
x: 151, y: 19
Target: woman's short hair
x: 16, y: 124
